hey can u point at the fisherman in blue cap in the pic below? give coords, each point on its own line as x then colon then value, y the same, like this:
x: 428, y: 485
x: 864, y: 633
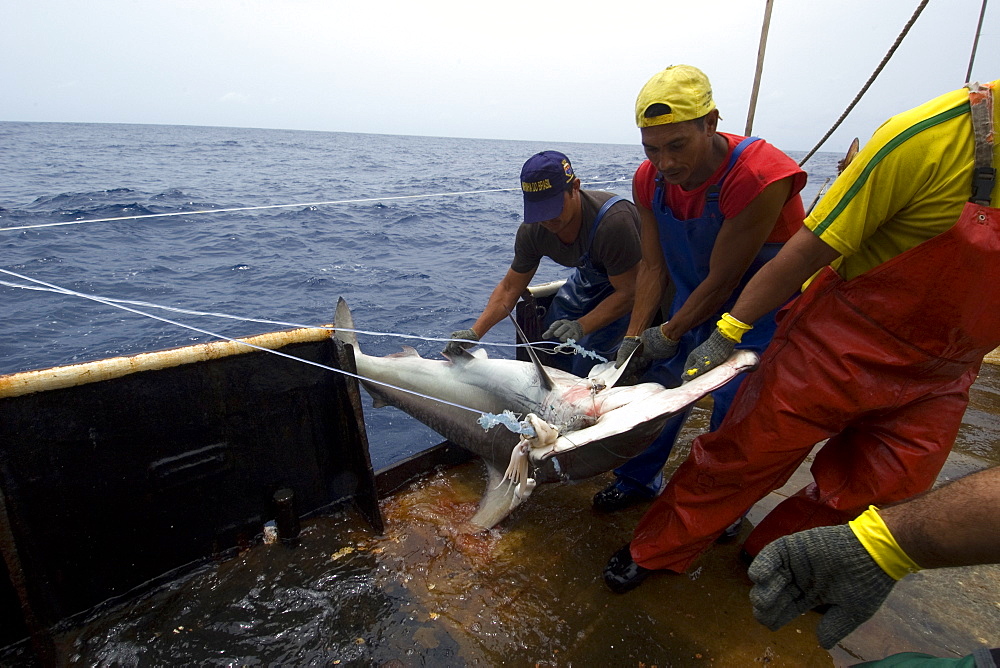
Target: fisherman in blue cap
x: 595, y: 232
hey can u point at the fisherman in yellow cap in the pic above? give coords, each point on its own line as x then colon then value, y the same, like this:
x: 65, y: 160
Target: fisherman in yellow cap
x: 714, y: 208
x: 876, y: 357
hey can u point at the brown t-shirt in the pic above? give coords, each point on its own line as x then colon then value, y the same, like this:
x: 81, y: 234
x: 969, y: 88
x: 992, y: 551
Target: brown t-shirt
x: 616, y: 248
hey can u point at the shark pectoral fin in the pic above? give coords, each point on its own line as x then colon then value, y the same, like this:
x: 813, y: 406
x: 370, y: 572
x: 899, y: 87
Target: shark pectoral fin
x: 497, y: 502
x: 607, y: 374
x: 543, y: 377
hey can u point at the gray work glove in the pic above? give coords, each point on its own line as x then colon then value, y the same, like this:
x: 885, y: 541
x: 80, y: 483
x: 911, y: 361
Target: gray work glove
x: 456, y: 347
x: 629, y: 343
x: 564, y: 330
x: 712, y: 352
x: 655, y: 346
x: 826, y: 565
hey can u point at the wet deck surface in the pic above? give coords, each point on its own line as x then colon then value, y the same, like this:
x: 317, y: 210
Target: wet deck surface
x: 529, y: 593
x: 423, y: 595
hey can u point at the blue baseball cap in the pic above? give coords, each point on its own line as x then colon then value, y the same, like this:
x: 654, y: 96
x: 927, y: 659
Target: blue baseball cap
x: 544, y: 179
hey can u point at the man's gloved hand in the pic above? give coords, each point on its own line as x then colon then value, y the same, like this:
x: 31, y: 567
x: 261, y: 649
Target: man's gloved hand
x: 713, y: 351
x: 717, y: 348
x: 456, y: 347
x: 564, y: 330
x: 656, y: 346
x: 629, y: 343
x: 826, y: 565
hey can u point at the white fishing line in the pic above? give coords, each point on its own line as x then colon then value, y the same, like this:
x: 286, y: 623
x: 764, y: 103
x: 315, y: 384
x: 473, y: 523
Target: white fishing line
x: 123, y: 304
x: 272, y: 206
x: 486, y: 419
x: 536, y: 345
x: 67, y: 291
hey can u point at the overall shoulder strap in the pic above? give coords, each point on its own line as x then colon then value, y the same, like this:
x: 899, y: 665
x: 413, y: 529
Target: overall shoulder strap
x: 981, y: 111
x: 604, y: 209
x: 597, y: 219
x: 713, y: 190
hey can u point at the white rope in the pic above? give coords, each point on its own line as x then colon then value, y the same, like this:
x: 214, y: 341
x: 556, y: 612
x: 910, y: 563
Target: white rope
x: 67, y: 291
x: 121, y: 303
x: 270, y: 206
x: 537, y: 345
x: 486, y: 419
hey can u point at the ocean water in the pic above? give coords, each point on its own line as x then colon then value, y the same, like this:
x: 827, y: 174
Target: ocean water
x: 421, y: 230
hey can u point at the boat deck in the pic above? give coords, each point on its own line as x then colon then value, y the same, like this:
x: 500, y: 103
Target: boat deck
x: 528, y: 593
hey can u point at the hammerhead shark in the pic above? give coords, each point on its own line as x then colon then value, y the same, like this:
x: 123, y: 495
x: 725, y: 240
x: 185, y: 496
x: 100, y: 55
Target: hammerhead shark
x: 574, y: 427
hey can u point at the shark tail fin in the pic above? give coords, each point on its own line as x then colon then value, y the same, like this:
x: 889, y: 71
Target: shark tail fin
x: 543, y: 377
x: 496, y: 502
x: 343, y: 320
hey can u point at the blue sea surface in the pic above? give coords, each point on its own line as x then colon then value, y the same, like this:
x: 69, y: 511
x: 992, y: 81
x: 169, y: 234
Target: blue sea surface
x: 420, y: 231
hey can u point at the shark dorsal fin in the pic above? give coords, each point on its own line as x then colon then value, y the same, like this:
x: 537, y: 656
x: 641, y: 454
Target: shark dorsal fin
x: 543, y: 377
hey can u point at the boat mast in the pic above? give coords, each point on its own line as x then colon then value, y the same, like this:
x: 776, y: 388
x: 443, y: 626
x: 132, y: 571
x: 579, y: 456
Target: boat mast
x: 760, y: 66
x: 975, y: 42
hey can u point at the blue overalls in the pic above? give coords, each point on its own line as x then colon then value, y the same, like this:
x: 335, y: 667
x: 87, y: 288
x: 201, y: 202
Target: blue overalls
x: 687, y: 248
x: 581, y: 292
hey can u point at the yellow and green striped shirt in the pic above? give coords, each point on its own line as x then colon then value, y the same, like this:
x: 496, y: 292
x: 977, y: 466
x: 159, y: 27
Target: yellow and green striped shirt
x: 908, y: 184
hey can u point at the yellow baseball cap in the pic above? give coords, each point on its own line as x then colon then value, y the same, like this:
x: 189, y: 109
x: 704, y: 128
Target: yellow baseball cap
x: 684, y: 90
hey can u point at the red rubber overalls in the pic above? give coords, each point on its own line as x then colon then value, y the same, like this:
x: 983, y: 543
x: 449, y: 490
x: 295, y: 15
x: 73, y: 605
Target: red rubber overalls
x: 880, y: 365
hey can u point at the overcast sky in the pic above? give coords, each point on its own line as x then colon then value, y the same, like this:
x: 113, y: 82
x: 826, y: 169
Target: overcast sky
x: 507, y: 69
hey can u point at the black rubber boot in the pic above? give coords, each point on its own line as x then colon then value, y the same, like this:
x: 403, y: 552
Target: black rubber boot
x: 622, y: 573
x: 613, y: 498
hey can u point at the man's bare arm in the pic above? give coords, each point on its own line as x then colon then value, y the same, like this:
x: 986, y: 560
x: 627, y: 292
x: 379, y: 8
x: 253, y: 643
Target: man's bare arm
x: 955, y: 525
x: 651, y: 278
x: 737, y: 244
x: 802, y: 256
x: 502, y: 300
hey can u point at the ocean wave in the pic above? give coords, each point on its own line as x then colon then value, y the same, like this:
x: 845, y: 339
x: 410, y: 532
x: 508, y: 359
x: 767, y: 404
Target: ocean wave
x: 78, y: 199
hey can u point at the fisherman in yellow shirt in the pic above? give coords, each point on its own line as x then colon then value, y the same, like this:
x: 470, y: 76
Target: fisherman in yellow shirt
x: 877, y: 355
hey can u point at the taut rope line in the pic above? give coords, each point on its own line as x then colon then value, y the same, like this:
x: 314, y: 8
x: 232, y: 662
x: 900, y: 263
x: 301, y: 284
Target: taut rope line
x: 871, y: 80
x: 486, y: 420
x: 272, y: 206
x: 67, y: 291
x: 537, y: 345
